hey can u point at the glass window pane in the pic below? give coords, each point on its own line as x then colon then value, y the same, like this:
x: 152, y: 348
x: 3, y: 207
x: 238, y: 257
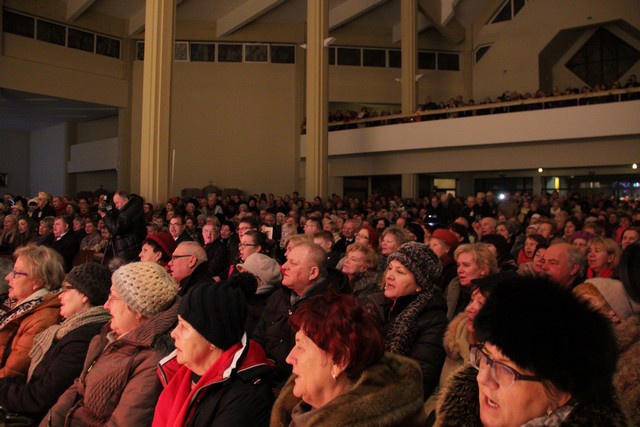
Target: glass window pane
x: 395, y: 59
x: 374, y: 58
x: 81, y: 40
x: 332, y: 56
x: 504, y: 14
x: 481, y: 51
x: 256, y: 53
x: 107, y: 46
x: 15, y: 23
x: 229, y: 53
x: 203, y: 52
x: 517, y: 6
x: 51, y: 33
x: 140, y: 51
x: 448, y: 61
x: 283, y: 54
x: 349, y: 56
x: 427, y: 60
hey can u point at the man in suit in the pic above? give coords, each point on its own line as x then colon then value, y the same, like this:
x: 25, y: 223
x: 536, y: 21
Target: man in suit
x: 64, y: 241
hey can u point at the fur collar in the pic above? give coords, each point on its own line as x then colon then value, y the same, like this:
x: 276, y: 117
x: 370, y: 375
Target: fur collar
x: 459, y: 405
x: 387, y: 393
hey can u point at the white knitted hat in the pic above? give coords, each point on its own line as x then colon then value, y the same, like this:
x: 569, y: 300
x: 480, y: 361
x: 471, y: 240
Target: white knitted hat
x: 146, y: 287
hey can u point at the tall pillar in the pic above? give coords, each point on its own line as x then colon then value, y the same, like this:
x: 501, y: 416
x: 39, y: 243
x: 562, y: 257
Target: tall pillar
x: 409, y: 31
x: 409, y: 186
x: 156, y: 100
x: 317, y: 170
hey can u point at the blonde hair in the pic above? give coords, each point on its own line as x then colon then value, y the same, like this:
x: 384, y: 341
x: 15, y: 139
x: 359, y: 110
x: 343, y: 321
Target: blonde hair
x: 370, y: 257
x: 298, y: 239
x: 481, y: 254
x: 43, y: 264
x: 610, y: 245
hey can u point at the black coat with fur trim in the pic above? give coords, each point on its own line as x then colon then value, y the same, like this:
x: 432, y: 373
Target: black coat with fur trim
x: 426, y: 348
x: 388, y: 393
x: 459, y: 406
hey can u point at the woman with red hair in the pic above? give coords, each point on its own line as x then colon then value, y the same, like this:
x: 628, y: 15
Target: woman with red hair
x: 341, y: 375
x: 368, y: 236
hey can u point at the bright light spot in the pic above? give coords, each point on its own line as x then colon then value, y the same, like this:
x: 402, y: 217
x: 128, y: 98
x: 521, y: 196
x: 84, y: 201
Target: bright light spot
x: 540, y: 170
x: 501, y: 196
x: 634, y: 166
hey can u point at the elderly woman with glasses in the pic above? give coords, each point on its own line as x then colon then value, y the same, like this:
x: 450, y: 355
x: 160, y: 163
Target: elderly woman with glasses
x: 30, y: 307
x: 118, y: 384
x: 544, y: 358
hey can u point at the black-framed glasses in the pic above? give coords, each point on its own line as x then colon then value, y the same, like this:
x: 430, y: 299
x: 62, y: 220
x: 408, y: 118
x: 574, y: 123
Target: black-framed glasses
x: 500, y: 373
x: 244, y: 245
x: 18, y: 273
x: 175, y: 257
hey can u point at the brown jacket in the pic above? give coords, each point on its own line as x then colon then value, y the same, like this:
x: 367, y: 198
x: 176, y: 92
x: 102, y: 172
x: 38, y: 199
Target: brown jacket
x: 16, y: 338
x: 118, y: 385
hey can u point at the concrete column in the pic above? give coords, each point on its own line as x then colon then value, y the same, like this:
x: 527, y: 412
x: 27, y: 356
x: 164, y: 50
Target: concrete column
x: 409, y: 31
x: 155, y: 167
x: 317, y: 170
x: 409, y: 186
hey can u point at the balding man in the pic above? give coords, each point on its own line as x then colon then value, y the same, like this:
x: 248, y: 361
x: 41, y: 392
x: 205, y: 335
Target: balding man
x: 305, y: 274
x: 564, y: 265
x: 189, y: 266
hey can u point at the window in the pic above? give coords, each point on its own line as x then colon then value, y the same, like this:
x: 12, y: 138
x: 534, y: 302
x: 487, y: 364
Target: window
x: 107, y: 46
x: 508, y: 11
x: 256, y: 53
x: 480, y: 51
x: 140, y: 51
x: 427, y: 60
x: 181, y: 51
x: 604, y: 58
x: 349, y: 56
x: 18, y: 24
x: 281, y: 54
x: 374, y: 58
x: 51, y: 33
x: 229, y: 53
x: 332, y: 56
x: 449, y: 61
x: 395, y: 59
x: 81, y: 40
x: 203, y: 52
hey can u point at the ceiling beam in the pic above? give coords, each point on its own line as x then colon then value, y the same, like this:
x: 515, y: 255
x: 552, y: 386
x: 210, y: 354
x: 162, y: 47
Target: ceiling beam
x: 243, y: 14
x: 423, y: 24
x: 75, y: 8
x: 350, y: 10
x: 449, y: 27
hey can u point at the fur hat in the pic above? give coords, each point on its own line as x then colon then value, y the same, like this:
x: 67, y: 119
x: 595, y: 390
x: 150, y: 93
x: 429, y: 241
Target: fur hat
x: 93, y: 280
x: 165, y: 241
x: 421, y: 261
x: 446, y: 236
x: 263, y: 267
x: 218, y: 311
x: 146, y: 287
x: 548, y: 331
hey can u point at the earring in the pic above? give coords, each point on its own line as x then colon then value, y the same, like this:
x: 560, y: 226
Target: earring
x: 334, y: 376
x: 549, y: 412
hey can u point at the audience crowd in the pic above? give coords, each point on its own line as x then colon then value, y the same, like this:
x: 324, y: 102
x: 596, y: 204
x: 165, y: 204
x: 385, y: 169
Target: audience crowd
x: 275, y: 310
x: 436, y: 110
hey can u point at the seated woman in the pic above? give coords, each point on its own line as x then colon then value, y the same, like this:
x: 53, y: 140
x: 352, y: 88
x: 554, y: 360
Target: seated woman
x: 92, y: 236
x: 515, y: 379
x: 216, y: 376
x: 158, y: 248
x: 118, y: 384
x: 268, y: 276
x: 27, y: 230
x: 10, y: 237
x: 58, y: 352
x: 392, y: 238
x: 341, y: 375
x: 31, y: 306
x: 603, y: 257
x: 412, y: 311
x: 367, y: 235
x: 359, y: 266
x: 443, y: 242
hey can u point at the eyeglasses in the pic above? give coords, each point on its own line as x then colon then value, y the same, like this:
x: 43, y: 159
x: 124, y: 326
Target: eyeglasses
x: 175, y: 257
x: 175, y: 224
x: 17, y: 273
x: 244, y: 245
x: 362, y: 236
x: 113, y: 298
x: 500, y: 373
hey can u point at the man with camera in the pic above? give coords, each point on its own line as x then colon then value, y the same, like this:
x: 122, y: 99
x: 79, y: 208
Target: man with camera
x: 126, y: 225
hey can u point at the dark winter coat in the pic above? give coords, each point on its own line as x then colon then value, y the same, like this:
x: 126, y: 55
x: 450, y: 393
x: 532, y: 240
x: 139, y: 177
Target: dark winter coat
x: 233, y: 392
x: 118, y: 384
x: 459, y: 405
x: 273, y: 331
x: 626, y: 377
x: 53, y: 375
x: 426, y: 346
x: 67, y: 246
x: 387, y: 393
x: 128, y: 228
x: 365, y: 283
x: 199, y: 276
x: 217, y: 259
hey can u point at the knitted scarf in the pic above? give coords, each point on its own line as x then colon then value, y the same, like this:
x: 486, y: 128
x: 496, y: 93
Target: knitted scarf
x: 45, y: 339
x: 403, y: 329
x: 23, y: 308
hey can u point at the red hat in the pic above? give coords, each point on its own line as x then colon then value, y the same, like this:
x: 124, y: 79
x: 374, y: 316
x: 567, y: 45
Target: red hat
x: 165, y: 241
x: 446, y: 236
